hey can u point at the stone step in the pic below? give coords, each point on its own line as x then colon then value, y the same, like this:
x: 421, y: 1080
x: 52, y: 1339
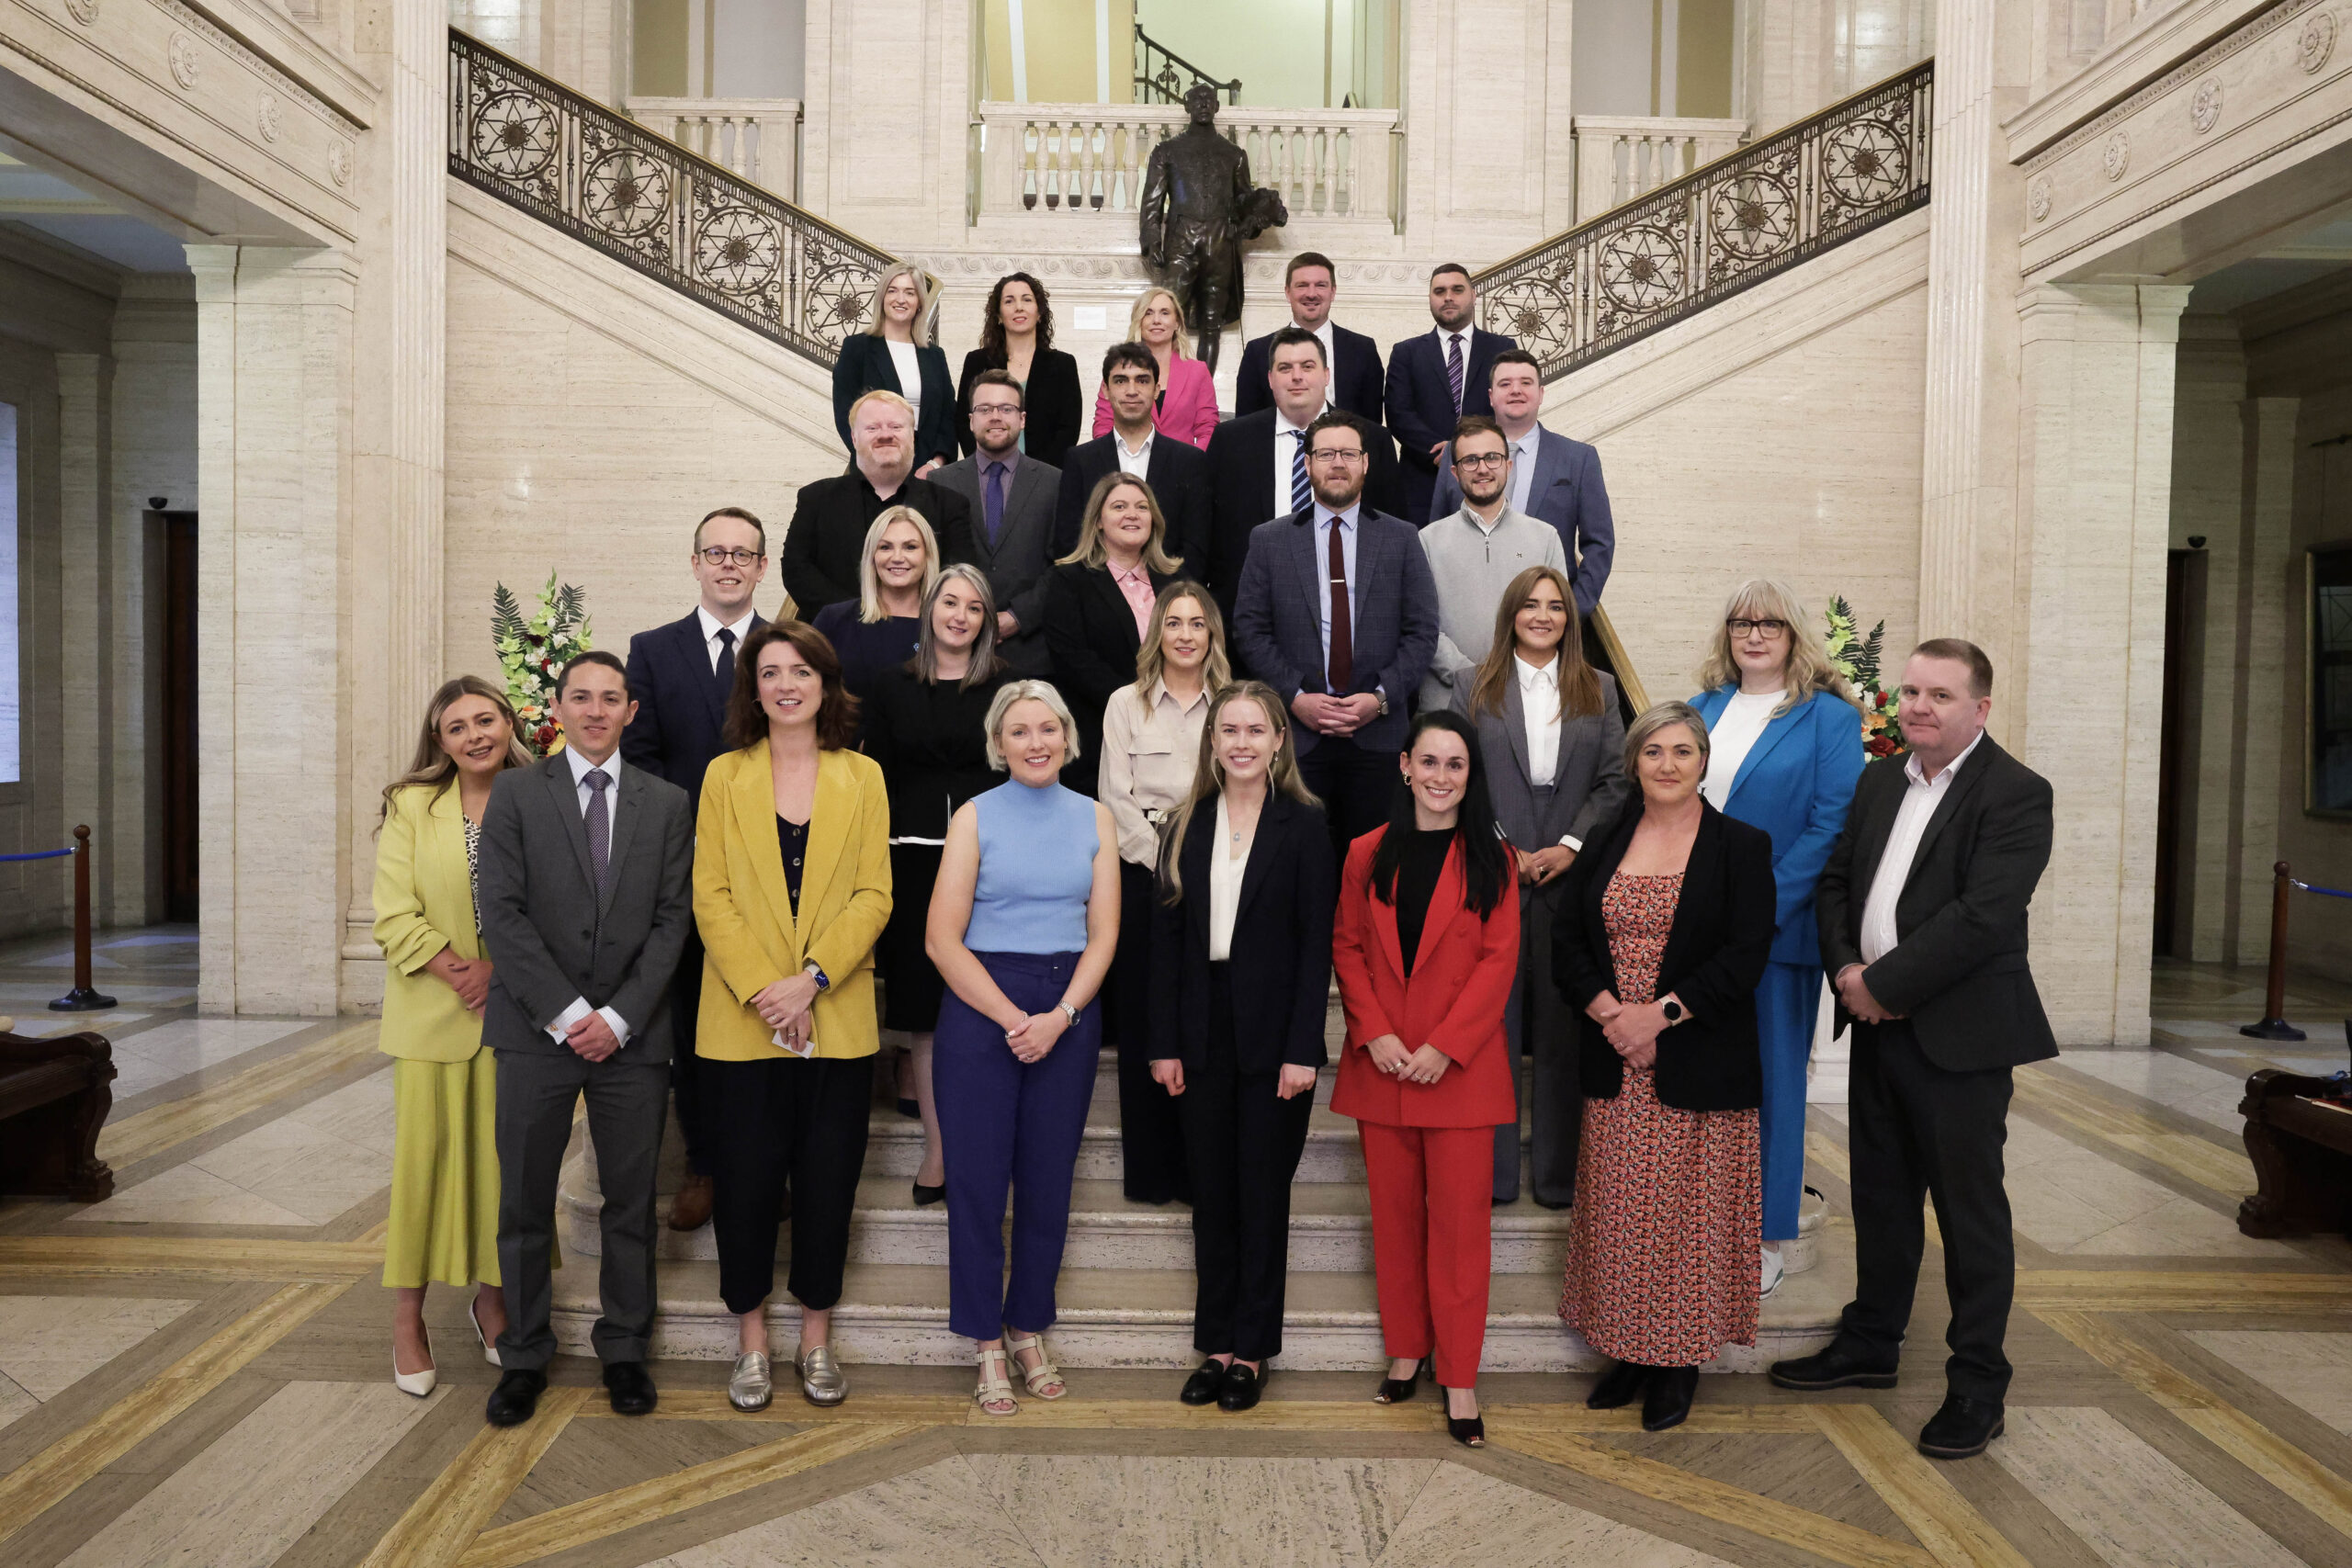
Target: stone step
x: 895, y: 1314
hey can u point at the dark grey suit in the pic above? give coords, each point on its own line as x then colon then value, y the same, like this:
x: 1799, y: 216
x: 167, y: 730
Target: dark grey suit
x: 1588, y: 789
x: 1019, y: 562
x: 555, y: 935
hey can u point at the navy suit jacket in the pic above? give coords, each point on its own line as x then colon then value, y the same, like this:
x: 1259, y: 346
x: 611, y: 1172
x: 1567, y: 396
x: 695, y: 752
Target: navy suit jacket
x: 1567, y: 492
x: 680, y: 710
x: 1176, y: 473
x: 1355, y: 374
x: 1421, y: 405
x: 1278, y: 617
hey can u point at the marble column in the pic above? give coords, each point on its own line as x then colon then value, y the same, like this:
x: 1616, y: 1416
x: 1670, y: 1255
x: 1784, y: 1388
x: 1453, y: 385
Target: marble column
x: 84, y: 565
x: 400, y: 422
x: 274, y: 391
x: 2270, y: 627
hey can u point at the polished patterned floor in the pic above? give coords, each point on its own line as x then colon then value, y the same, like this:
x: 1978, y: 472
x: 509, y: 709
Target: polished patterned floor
x: 196, y: 1372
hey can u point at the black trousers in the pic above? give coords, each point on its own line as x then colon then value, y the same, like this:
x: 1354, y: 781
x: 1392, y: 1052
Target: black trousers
x: 771, y: 1119
x: 1539, y: 1025
x: 1151, y: 1133
x: 1243, y: 1145
x: 1916, y: 1130
x: 685, y: 1082
x: 1355, y: 785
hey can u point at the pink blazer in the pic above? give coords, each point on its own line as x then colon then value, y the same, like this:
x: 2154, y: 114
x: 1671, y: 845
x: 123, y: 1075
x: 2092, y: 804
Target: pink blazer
x: 1187, y: 405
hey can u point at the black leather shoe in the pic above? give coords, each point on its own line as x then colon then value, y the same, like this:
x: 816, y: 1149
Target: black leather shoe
x: 1844, y: 1365
x: 1206, y: 1383
x: 926, y: 1196
x: 1396, y: 1390
x: 1242, y: 1387
x: 631, y: 1388
x: 1962, y: 1429
x: 516, y: 1398
x: 1668, y: 1401
x: 1617, y: 1386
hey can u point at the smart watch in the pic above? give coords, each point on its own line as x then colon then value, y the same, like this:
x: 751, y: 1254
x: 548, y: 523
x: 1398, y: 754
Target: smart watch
x: 816, y: 974
x: 1673, y: 1012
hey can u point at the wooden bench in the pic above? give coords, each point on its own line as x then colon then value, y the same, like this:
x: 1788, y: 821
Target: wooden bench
x: 2302, y: 1149
x: 53, y: 1098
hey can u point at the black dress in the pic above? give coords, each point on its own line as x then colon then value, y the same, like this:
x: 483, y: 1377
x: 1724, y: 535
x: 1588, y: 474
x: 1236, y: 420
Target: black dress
x: 931, y: 742
x: 1050, y: 399
x: 867, y: 647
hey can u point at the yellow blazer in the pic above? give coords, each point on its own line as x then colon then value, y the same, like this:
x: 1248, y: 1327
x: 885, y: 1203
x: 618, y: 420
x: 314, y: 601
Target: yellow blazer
x: 424, y: 902
x: 744, y: 906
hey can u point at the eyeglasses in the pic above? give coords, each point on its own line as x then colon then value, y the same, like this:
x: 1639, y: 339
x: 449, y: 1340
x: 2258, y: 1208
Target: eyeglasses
x: 716, y: 556
x: 1768, y: 629
x: 1336, y: 455
x: 1483, y: 460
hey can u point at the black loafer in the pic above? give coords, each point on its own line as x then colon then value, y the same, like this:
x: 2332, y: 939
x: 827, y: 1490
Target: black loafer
x: 1206, y: 1383
x: 631, y: 1388
x: 1962, y: 1429
x: 1618, y: 1386
x: 1396, y: 1390
x: 1844, y: 1365
x: 516, y: 1398
x: 1242, y: 1387
x: 1666, y: 1404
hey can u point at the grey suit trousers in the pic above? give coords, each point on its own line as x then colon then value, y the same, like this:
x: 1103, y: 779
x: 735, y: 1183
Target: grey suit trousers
x: 1536, y: 1022
x: 627, y: 1101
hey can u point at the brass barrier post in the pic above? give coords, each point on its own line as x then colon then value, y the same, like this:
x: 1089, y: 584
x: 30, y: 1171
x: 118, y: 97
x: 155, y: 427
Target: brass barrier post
x: 84, y: 996
x: 2274, y: 1024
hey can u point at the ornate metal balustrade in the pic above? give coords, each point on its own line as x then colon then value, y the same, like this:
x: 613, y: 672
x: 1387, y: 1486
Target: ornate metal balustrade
x: 1163, y: 76
x: 645, y: 201
x: 1722, y: 227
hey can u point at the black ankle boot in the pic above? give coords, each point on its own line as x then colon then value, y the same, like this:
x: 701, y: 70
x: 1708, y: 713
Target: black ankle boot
x: 1617, y: 1386
x: 1668, y: 1403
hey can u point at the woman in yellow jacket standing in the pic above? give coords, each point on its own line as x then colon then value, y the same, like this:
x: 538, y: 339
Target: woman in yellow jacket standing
x: 444, y: 1222
x: 792, y: 887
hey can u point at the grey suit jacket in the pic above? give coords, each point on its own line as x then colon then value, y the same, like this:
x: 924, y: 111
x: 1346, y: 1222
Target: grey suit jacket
x: 1278, y: 617
x: 1589, y: 782
x: 1568, y: 494
x: 553, y: 935
x: 1021, y: 559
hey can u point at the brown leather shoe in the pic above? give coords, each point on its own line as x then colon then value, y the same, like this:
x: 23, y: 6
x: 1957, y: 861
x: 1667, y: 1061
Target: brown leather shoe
x: 690, y: 1209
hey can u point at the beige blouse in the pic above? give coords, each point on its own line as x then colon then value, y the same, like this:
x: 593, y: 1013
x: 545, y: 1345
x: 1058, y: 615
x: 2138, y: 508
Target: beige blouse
x: 1148, y: 764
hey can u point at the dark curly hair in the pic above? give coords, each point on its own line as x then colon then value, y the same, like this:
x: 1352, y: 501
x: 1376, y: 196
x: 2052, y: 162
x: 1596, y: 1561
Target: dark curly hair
x: 992, y: 323
x: 747, y: 723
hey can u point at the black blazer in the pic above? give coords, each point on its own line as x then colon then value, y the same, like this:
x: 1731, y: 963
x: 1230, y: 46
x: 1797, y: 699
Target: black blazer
x: 1050, y: 400
x: 1715, y: 958
x: 865, y: 364
x: 1959, y: 970
x: 1356, y: 375
x: 930, y: 741
x: 1176, y: 473
x: 1241, y: 494
x: 679, y: 708
x: 1090, y: 633
x: 1420, y: 403
x: 827, y: 534
x: 1280, y: 962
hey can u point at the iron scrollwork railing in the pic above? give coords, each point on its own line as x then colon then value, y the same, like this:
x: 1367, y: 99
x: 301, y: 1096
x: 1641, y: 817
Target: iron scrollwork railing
x: 644, y: 200
x: 1722, y: 227
x: 1172, y: 76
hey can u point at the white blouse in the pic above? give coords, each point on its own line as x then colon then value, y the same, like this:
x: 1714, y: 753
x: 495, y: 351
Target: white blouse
x: 1736, y: 731
x: 910, y: 369
x: 1225, y: 886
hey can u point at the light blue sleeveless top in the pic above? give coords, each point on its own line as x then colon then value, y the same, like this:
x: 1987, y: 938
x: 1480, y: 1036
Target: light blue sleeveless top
x: 1037, y: 848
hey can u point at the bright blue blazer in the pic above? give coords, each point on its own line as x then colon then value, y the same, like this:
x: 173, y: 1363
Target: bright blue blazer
x: 1796, y: 782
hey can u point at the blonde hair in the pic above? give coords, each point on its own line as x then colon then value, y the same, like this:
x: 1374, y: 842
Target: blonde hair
x: 1664, y: 715
x: 1808, y: 667
x: 926, y: 290
x: 432, y: 768
x: 1013, y: 692
x: 1209, y: 777
x: 869, y: 586
x: 1577, y: 680
x: 1152, y: 661
x: 878, y: 395
x: 1143, y: 302
x: 1090, y: 549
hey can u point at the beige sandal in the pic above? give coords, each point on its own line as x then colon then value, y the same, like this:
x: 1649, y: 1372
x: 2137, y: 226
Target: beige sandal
x: 1044, y: 1374
x: 995, y: 1389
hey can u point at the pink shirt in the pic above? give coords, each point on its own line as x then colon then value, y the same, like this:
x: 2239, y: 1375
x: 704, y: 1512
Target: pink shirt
x: 1136, y: 587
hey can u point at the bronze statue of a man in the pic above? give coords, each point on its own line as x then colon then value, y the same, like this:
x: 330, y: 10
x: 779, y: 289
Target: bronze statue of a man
x: 1198, y: 207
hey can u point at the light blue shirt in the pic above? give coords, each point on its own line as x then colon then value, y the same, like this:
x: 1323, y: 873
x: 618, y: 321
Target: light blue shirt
x: 1325, y: 520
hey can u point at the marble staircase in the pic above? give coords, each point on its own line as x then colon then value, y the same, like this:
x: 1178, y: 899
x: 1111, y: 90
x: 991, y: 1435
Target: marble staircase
x: 1127, y: 1286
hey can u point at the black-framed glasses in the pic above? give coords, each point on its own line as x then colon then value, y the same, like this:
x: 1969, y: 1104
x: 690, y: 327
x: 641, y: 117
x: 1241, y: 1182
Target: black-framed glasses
x: 1741, y: 627
x: 716, y: 554
x: 1483, y: 460
x: 1336, y: 455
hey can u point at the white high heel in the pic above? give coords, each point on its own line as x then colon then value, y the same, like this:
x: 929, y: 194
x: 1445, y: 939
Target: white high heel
x: 489, y: 1350
x: 417, y: 1383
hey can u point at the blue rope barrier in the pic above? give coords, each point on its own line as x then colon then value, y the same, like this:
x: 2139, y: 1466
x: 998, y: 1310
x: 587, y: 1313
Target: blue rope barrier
x: 2308, y: 888
x: 54, y: 854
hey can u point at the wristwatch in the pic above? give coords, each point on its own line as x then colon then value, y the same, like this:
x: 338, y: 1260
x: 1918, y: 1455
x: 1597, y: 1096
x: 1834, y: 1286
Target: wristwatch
x: 815, y: 972
x: 1383, y: 702
x: 1673, y: 1012
x: 1069, y: 1012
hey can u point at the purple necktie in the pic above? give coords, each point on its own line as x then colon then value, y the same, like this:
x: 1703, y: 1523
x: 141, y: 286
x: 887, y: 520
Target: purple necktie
x: 1454, y: 368
x: 600, y: 822
x: 993, y: 502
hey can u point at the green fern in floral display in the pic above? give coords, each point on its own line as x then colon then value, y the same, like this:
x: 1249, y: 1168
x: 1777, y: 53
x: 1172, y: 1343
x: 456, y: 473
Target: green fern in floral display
x: 532, y: 652
x: 1857, y: 658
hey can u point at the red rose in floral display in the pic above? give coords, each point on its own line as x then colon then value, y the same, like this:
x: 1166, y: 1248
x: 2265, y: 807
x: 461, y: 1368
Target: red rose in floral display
x: 544, y: 738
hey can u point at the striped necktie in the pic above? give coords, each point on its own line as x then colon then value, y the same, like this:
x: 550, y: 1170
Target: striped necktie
x: 1299, y: 493
x: 1453, y: 369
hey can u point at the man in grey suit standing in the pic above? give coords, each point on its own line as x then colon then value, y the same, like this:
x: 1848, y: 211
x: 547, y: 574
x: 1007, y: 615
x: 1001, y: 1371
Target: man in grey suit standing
x: 1337, y: 611
x: 587, y: 891
x: 1011, y: 496
x: 1551, y: 476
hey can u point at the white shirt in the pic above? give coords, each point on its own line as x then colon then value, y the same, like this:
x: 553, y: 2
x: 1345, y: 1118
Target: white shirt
x: 1225, y: 886
x: 1323, y: 336
x: 1325, y: 520
x: 711, y: 628
x: 1522, y: 466
x: 1539, y: 701
x: 1920, y: 799
x: 1735, y: 733
x: 1285, y: 443
x: 1137, y: 462
x: 581, y: 768
x: 910, y: 369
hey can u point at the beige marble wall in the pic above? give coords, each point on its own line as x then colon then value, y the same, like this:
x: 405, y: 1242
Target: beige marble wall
x: 33, y: 896
x: 2308, y: 433
x: 1800, y: 56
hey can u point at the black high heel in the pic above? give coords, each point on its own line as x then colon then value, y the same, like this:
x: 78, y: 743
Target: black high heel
x: 925, y: 1196
x: 1470, y: 1431
x: 1396, y: 1390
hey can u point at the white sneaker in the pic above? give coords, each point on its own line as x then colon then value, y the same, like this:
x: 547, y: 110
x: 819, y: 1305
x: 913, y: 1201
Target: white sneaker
x: 1773, y: 1272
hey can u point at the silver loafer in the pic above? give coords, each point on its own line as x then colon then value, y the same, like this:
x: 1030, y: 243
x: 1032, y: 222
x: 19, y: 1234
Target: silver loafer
x: 749, y: 1388
x: 822, y: 1382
